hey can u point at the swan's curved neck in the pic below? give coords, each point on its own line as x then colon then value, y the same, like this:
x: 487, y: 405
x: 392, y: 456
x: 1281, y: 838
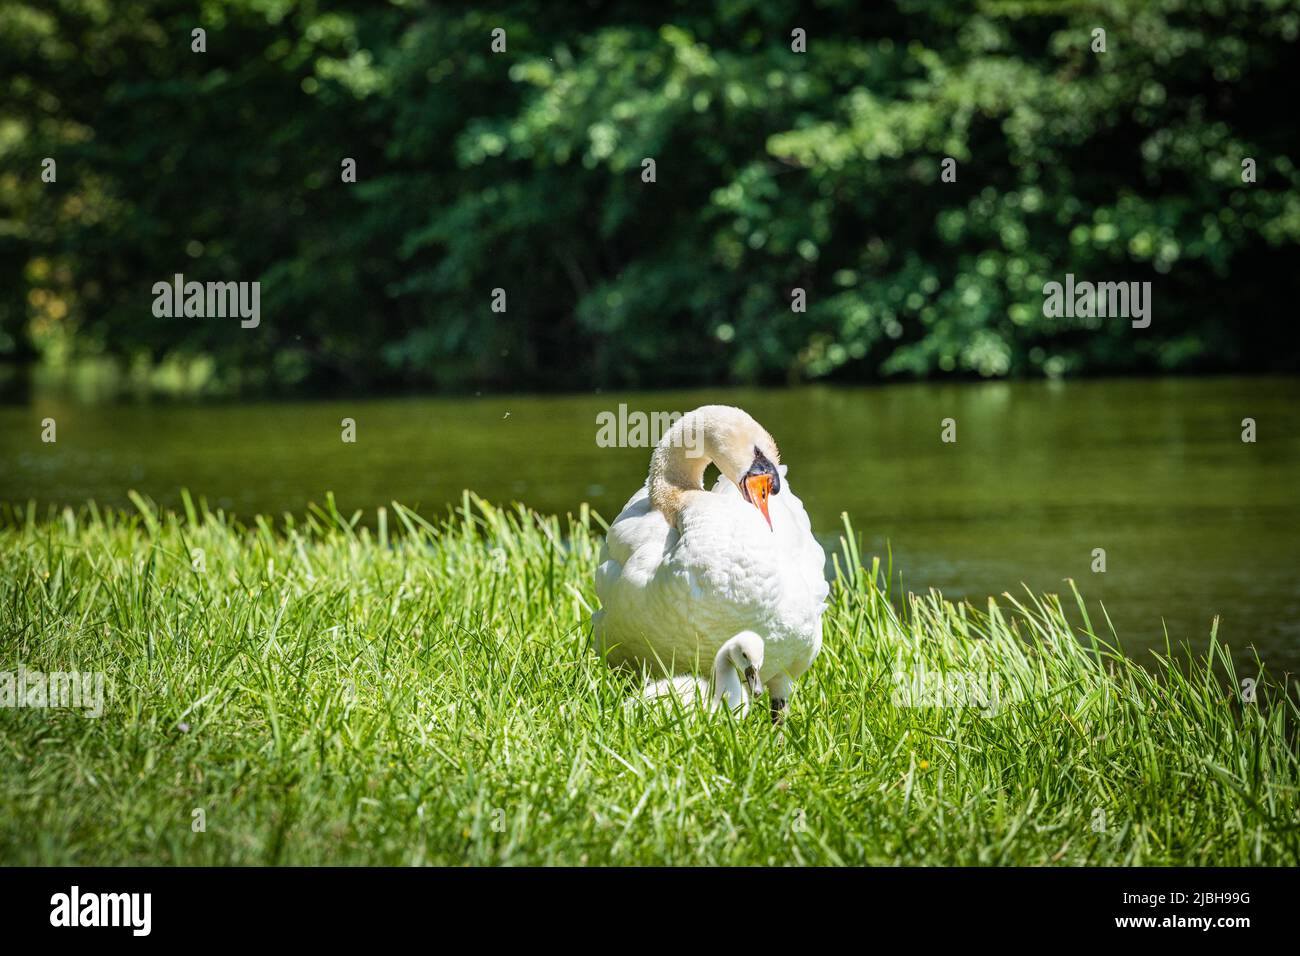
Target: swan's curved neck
x: 677, y: 468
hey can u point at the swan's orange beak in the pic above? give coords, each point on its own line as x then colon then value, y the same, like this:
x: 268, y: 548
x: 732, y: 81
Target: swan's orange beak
x: 757, y: 489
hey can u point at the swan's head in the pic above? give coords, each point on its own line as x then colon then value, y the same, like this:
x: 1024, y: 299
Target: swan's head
x: 743, y: 451
x: 745, y: 652
x: 741, y: 448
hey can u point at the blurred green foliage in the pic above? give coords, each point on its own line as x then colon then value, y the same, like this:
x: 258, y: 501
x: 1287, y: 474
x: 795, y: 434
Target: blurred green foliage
x: 775, y: 170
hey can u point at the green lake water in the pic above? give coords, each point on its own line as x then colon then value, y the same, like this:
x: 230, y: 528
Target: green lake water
x: 1194, y: 522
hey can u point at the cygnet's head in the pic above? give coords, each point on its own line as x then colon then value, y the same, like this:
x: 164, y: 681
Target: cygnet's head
x: 745, y: 651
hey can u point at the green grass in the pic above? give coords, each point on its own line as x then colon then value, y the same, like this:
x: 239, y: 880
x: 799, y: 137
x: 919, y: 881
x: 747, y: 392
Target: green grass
x: 328, y: 693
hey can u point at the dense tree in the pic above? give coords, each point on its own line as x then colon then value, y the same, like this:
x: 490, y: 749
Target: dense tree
x: 775, y: 170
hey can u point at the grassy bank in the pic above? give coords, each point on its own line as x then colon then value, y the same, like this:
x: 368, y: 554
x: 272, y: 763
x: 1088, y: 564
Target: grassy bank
x: 324, y: 692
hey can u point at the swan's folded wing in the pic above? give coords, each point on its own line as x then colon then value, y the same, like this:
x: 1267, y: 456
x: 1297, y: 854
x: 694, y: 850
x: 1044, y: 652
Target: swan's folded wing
x: 809, y: 556
x: 633, y: 548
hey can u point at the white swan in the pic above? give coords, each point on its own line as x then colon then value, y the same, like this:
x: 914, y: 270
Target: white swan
x: 684, y: 570
x: 742, y: 655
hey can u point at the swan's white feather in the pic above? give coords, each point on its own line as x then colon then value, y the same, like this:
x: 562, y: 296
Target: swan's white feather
x: 670, y: 600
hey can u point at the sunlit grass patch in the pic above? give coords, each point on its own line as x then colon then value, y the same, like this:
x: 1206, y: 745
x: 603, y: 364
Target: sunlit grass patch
x: 314, y: 690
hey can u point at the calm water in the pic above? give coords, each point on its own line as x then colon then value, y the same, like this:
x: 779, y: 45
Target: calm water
x: 1194, y: 522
